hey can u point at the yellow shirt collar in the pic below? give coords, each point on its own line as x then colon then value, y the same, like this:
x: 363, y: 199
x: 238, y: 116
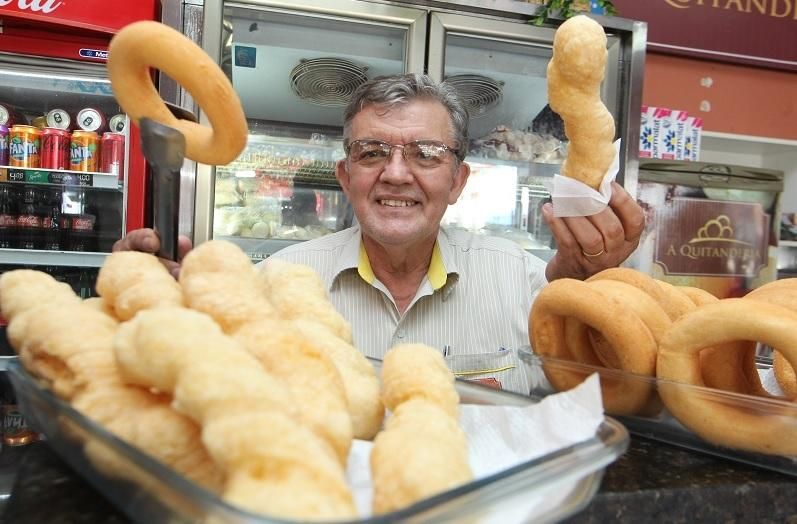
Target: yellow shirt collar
x: 437, y: 273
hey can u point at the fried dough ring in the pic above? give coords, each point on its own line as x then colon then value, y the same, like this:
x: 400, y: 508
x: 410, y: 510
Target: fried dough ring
x: 623, y: 330
x: 704, y: 412
x: 673, y: 302
x: 731, y: 366
x: 783, y: 293
x: 145, y: 44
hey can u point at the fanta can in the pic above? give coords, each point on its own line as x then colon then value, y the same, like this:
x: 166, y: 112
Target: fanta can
x: 24, y: 143
x: 84, y: 151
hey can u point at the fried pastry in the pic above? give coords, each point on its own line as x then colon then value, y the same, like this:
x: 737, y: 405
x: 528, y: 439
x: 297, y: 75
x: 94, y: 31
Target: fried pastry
x: 131, y: 281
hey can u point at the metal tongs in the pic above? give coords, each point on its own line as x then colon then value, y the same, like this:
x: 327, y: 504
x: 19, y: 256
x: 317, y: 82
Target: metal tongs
x: 164, y: 150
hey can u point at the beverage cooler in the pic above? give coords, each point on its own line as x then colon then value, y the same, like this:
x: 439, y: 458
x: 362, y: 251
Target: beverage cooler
x: 295, y: 63
x: 71, y: 172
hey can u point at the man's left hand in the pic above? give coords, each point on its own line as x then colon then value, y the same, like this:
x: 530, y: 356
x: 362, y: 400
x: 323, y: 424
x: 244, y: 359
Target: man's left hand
x: 587, y: 245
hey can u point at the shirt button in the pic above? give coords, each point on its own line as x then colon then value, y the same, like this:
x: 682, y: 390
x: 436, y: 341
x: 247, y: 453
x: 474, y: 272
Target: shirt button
x: 400, y: 334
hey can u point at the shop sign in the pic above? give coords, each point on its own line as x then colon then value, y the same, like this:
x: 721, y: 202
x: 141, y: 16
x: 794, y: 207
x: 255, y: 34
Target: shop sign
x: 88, y: 14
x: 753, y: 32
x: 711, y: 237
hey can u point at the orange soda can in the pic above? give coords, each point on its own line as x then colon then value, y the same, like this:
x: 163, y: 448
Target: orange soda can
x: 84, y: 151
x: 24, y: 146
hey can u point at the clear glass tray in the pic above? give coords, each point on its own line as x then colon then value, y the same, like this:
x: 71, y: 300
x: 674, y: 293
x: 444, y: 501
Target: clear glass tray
x: 160, y: 494
x: 660, y: 425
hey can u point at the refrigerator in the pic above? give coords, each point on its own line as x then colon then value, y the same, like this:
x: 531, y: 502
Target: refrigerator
x: 61, y: 208
x: 295, y: 63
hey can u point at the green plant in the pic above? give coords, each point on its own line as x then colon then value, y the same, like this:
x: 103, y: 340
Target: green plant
x: 566, y: 9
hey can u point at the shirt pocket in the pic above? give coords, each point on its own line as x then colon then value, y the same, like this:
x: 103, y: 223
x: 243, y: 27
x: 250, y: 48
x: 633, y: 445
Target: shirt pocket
x: 498, y: 369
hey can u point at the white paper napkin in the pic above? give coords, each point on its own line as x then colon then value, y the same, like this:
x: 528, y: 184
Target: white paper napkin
x: 572, y: 198
x: 500, y: 437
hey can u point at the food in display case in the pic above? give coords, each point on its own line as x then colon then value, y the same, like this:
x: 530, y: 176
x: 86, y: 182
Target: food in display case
x: 504, y: 143
x: 279, y: 190
x: 682, y: 363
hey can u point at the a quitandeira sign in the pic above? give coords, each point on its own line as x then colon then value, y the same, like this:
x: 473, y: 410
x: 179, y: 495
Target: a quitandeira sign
x: 711, y: 238
x: 754, y: 32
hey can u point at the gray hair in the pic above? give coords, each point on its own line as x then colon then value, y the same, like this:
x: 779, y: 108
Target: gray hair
x: 402, y: 89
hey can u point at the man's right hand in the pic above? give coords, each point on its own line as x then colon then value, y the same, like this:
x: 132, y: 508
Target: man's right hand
x: 147, y: 241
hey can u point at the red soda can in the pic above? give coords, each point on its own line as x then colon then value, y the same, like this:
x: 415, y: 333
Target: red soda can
x: 118, y: 123
x: 55, y: 151
x: 84, y: 149
x: 3, y: 145
x: 112, y: 154
x: 58, y: 119
x: 90, y: 119
x: 24, y: 143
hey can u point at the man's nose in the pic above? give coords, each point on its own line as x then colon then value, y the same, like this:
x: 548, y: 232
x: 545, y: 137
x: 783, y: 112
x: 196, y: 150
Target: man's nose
x: 396, y: 169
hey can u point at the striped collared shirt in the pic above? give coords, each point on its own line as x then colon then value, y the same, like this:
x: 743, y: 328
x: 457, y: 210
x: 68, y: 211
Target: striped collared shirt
x: 473, y: 305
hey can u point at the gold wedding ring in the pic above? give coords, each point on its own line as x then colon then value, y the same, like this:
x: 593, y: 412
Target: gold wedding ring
x: 592, y: 255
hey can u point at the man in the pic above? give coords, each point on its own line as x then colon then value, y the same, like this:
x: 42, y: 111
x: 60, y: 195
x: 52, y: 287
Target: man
x: 398, y: 276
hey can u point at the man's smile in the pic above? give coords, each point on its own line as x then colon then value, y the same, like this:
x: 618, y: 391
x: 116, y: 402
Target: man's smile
x: 397, y: 203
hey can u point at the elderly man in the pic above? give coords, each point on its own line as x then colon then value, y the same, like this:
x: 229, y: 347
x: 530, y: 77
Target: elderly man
x: 398, y: 276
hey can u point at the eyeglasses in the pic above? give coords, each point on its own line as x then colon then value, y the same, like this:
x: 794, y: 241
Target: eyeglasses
x: 423, y: 154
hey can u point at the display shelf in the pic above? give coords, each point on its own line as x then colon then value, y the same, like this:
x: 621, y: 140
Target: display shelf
x: 25, y: 175
x: 787, y: 243
x: 746, y: 144
x: 29, y: 257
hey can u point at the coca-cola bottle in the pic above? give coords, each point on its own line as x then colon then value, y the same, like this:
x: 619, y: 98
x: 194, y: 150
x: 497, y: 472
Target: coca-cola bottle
x: 8, y: 217
x: 52, y: 222
x: 29, y: 221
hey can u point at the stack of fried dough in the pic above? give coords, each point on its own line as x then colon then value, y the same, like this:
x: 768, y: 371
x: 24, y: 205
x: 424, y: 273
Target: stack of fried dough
x: 222, y: 377
x: 624, y: 320
x: 219, y: 376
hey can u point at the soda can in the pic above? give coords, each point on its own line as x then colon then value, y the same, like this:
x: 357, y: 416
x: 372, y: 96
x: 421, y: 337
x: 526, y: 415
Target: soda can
x: 24, y: 144
x: 118, y: 123
x: 112, y: 154
x: 90, y: 119
x: 56, y: 145
x: 3, y: 145
x: 83, y: 151
x: 59, y: 119
x: 9, y: 116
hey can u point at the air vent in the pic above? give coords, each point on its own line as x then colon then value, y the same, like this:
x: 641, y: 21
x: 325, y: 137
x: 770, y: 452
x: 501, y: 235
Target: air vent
x: 480, y: 93
x: 327, y: 82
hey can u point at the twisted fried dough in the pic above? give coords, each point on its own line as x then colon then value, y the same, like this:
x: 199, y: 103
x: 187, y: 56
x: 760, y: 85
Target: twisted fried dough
x: 130, y: 281
x: 704, y: 412
x: 218, y: 278
x: 305, y: 296
x: 310, y: 373
x: 422, y: 451
x: 575, y: 73
x: 630, y: 339
x: 67, y: 344
x: 671, y: 300
x: 249, y: 424
x: 360, y: 382
x: 232, y: 298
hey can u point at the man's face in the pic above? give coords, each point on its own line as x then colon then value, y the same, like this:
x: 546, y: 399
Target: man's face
x: 398, y: 203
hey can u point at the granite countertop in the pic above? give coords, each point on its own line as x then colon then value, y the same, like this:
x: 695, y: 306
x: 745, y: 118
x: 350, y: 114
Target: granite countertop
x: 652, y: 482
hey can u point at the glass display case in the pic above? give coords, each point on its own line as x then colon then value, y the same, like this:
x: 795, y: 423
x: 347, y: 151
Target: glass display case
x: 63, y: 172
x: 294, y: 65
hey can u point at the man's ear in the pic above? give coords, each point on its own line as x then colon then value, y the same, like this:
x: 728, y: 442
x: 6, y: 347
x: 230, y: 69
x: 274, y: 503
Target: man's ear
x: 342, y: 174
x: 458, y: 183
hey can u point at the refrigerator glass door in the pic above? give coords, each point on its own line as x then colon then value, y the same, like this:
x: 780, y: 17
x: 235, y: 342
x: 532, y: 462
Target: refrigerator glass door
x: 61, y: 204
x: 516, y: 142
x: 294, y: 66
